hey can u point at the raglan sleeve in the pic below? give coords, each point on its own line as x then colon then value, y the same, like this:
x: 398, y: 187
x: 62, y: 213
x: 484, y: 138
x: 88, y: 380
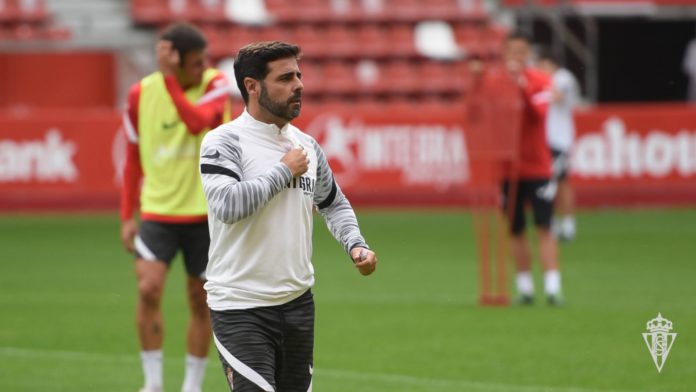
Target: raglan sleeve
x: 333, y: 205
x: 231, y: 197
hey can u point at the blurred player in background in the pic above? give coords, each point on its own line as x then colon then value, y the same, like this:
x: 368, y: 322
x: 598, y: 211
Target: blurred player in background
x: 263, y: 178
x: 533, y: 186
x: 560, y: 131
x: 689, y: 68
x: 168, y: 113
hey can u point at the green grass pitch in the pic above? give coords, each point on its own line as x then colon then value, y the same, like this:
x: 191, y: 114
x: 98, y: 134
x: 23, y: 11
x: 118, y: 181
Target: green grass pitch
x: 67, y: 295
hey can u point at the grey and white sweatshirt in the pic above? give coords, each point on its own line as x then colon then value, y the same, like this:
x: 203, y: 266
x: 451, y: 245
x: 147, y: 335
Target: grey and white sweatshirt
x: 260, y: 217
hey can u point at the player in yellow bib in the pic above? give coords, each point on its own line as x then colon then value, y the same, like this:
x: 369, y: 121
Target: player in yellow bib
x: 168, y: 113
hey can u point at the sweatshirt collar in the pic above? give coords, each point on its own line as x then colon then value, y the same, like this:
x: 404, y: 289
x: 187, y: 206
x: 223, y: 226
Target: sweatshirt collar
x: 257, y: 125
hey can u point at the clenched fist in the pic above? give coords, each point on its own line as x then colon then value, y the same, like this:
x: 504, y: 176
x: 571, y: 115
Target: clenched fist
x: 365, y: 260
x: 297, y: 160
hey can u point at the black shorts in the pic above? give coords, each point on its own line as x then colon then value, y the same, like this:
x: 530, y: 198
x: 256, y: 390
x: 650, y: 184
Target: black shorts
x: 529, y: 191
x: 561, y: 164
x: 268, y: 348
x: 157, y: 241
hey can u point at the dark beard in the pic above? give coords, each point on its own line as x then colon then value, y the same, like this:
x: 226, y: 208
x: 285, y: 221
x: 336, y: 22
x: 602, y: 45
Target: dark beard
x: 279, y: 109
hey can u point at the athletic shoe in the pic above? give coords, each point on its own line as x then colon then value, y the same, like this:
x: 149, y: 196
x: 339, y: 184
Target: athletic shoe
x: 566, y: 230
x: 554, y: 300
x: 525, y: 300
x: 144, y: 389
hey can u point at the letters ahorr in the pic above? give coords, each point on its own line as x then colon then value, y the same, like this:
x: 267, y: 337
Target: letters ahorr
x: 659, y: 340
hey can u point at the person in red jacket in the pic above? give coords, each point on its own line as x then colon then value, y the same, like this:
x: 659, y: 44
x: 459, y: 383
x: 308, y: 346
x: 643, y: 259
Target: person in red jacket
x: 168, y: 113
x: 532, y: 178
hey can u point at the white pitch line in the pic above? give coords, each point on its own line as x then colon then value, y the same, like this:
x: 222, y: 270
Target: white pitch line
x: 384, y: 378
x: 400, y: 379
x: 17, y: 352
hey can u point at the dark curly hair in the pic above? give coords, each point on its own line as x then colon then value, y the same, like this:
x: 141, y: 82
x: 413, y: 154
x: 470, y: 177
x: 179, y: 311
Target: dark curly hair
x: 185, y: 38
x: 252, y: 61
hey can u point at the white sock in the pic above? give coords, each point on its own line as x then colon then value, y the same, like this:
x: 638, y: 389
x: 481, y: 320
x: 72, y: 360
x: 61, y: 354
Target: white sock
x: 195, y: 370
x: 525, y: 283
x: 552, y: 282
x: 555, y: 225
x: 568, y: 225
x: 152, y: 368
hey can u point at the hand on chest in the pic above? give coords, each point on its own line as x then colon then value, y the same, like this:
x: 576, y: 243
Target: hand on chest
x: 261, y: 154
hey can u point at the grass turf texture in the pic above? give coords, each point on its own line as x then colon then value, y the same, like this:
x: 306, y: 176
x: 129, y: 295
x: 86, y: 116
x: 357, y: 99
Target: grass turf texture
x: 67, y: 295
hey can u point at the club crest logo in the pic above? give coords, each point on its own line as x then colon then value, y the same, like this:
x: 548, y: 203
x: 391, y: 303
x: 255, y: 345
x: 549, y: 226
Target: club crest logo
x: 659, y: 340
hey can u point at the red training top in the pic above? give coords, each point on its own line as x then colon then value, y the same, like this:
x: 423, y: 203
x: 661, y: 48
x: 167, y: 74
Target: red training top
x: 535, y: 156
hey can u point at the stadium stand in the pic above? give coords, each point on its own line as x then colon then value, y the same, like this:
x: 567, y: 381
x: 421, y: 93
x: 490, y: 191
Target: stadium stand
x: 364, y: 77
x: 28, y: 20
x: 23, y: 11
x: 356, y: 49
x: 597, y: 3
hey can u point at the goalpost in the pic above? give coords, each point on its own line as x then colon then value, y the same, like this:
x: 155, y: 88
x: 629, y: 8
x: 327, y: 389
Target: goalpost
x: 494, y: 119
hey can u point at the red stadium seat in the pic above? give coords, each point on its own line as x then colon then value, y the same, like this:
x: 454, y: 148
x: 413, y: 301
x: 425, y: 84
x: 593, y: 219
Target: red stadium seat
x: 150, y: 11
x: 311, y: 39
x: 401, y: 41
x: 157, y: 12
x: 282, y: 10
x: 207, y: 11
x: 440, y: 8
x: 462, y: 75
x: 401, y: 77
x: 5, y: 33
x: 34, y: 12
x: 419, y: 10
x: 405, y: 10
x: 314, y: 10
x: 225, y: 40
x: 348, y: 11
x: 312, y: 79
x: 237, y: 36
x: 28, y: 20
x: 372, y: 40
x: 395, y: 104
x: 300, y: 10
x: 341, y: 41
x: 4, y: 11
x: 183, y: 10
x: 275, y: 33
x: 370, y: 78
x: 32, y: 32
x: 25, y: 32
x: 339, y: 77
x: 375, y: 11
x: 216, y: 41
x: 542, y: 3
x: 437, y: 77
x: 471, y: 38
x: 352, y: 49
x: 23, y: 11
x: 9, y: 11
